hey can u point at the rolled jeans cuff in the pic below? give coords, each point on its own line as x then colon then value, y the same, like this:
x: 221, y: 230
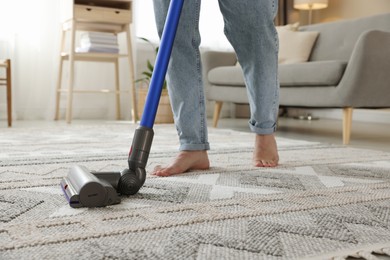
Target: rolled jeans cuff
x: 262, y: 131
x: 194, y: 147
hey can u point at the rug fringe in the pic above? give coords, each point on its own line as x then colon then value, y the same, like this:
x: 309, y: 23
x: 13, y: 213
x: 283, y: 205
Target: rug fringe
x: 383, y: 251
x: 366, y: 252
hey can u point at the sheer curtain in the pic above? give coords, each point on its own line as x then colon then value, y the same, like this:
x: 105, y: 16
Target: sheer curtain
x: 29, y: 33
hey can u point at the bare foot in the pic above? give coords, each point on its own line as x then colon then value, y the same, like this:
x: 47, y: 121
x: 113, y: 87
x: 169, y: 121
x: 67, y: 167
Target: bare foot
x: 184, y: 161
x: 266, y: 151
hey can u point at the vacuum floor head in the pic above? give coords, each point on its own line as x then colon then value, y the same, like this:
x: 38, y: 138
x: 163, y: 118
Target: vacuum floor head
x: 83, y: 188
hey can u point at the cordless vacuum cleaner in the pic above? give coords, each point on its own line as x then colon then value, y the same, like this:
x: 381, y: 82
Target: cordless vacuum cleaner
x: 84, y: 188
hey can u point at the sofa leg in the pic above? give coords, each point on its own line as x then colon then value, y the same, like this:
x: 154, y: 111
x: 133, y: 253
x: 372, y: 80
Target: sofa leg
x: 217, y: 111
x: 347, y: 123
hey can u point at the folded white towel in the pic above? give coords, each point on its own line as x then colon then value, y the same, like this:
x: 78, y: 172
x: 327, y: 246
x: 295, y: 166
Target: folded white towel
x: 98, y: 41
x: 96, y: 49
x: 85, y: 44
x: 95, y: 37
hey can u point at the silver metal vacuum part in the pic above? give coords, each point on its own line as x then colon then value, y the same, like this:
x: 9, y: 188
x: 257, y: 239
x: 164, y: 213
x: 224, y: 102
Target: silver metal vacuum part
x: 83, y: 188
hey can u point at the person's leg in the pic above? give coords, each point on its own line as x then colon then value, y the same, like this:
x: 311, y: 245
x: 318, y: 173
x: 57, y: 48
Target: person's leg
x: 185, y: 89
x: 250, y: 29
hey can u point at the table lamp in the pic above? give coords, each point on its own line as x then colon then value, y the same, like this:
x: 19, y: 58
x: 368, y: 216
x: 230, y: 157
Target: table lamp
x: 310, y: 5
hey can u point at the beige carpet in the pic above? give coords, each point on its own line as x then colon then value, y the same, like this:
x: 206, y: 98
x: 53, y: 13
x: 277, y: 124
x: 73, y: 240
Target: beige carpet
x: 323, y: 200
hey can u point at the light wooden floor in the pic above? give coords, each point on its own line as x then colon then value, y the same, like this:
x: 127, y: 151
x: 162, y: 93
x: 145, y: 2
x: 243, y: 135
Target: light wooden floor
x: 364, y: 135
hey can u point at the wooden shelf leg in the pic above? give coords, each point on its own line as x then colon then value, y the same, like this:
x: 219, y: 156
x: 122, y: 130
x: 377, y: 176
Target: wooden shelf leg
x: 134, y: 112
x: 117, y: 88
x: 9, y: 93
x: 59, y: 79
x: 71, y: 73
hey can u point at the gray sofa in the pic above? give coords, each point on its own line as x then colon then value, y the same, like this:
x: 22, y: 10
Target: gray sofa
x: 349, y: 67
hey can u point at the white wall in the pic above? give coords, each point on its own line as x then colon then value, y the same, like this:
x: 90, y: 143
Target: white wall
x: 340, y: 10
x: 349, y: 9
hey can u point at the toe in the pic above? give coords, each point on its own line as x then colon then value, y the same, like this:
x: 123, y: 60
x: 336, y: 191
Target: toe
x: 270, y: 163
x: 156, y: 170
x: 258, y: 163
x: 265, y: 163
x: 165, y: 172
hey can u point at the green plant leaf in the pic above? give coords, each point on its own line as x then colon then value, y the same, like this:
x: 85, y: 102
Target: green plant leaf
x: 144, y: 39
x: 147, y: 74
x: 142, y: 80
x: 149, y: 65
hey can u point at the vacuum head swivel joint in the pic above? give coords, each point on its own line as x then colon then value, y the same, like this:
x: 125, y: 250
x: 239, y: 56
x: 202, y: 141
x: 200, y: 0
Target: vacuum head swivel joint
x: 134, y: 177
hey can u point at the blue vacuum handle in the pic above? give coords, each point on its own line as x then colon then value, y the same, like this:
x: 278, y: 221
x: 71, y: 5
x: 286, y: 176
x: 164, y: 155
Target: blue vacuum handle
x: 161, y: 64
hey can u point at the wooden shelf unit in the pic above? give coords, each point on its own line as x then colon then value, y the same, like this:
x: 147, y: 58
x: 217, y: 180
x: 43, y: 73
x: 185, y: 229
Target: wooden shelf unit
x: 112, y: 16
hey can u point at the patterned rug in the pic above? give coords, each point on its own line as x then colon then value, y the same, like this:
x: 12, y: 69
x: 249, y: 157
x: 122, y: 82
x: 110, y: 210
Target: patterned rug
x: 322, y: 202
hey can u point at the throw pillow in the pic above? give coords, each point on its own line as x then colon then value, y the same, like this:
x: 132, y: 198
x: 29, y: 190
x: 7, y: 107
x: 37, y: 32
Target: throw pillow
x: 291, y: 27
x: 295, y: 46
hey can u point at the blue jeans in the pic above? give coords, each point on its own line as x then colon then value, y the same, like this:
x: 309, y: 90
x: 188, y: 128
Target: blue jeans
x: 250, y: 29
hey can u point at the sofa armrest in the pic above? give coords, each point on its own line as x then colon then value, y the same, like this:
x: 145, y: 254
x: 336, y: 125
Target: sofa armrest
x: 366, y: 80
x: 213, y: 59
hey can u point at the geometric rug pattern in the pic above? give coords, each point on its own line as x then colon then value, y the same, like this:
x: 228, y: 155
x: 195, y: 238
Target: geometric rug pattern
x: 322, y: 202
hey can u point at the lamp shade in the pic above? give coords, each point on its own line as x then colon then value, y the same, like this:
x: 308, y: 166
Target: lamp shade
x: 310, y: 4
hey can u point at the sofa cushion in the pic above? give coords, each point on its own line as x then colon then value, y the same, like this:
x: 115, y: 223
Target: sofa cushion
x: 319, y: 73
x: 226, y: 76
x: 294, y: 46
